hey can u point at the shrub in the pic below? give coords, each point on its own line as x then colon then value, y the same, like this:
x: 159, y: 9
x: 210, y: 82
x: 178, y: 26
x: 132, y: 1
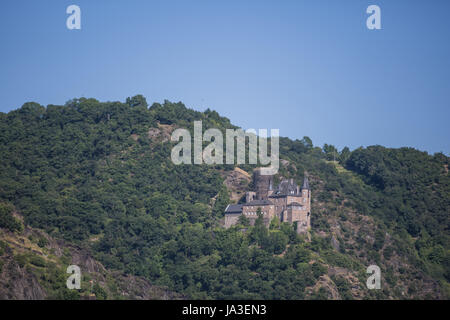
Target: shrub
x: 7, y: 220
x: 42, y: 242
x: 37, y: 261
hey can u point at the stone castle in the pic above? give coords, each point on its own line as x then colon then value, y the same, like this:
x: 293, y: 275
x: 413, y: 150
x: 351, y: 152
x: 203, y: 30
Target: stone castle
x: 287, y: 202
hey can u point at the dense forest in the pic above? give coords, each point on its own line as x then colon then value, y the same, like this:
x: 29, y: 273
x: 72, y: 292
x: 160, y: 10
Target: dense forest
x: 98, y: 176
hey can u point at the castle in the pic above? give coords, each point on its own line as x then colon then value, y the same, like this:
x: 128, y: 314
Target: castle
x: 287, y: 202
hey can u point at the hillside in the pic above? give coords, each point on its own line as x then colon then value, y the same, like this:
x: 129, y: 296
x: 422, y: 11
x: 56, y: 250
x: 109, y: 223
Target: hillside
x: 97, y: 178
x: 33, y: 266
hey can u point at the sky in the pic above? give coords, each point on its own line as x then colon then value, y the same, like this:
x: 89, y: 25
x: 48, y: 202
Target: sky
x: 308, y: 68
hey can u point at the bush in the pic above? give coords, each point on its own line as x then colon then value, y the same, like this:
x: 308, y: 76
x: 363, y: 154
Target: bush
x: 387, y: 252
x: 21, y: 260
x: 3, y: 247
x: 37, y: 261
x: 7, y: 220
x: 42, y: 242
x: 318, y: 270
x: 343, y: 287
x: 99, y: 292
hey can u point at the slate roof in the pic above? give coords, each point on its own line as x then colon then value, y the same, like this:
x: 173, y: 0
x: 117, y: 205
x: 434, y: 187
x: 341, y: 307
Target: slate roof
x: 234, y: 208
x: 286, y: 187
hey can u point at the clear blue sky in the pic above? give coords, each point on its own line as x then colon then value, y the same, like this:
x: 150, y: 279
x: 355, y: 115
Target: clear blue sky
x: 306, y: 67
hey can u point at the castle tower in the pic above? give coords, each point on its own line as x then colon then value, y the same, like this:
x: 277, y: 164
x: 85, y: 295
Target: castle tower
x: 263, y: 183
x: 306, y: 204
x: 250, y: 196
x: 306, y: 191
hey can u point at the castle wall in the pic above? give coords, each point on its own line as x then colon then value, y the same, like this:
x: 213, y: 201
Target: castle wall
x: 268, y: 211
x: 279, y: 204
x: 231, y: 219
x: 290, y: 199
x: 303, y: 226
x: 281, y: 207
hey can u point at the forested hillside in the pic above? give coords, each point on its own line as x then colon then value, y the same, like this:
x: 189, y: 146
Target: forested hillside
x: 98, y: 176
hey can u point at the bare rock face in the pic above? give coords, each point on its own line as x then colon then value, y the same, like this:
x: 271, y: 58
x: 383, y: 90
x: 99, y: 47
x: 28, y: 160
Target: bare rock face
x: 329, y: 286
x: 82, y: 259
x: 153, y: 133
x: 334, y: 243
x: 237, y: 182
x: 16, y: 283
x: 22, y: 262
x: 284, y: 162
x: 162, y: 133
x: 351, y: 278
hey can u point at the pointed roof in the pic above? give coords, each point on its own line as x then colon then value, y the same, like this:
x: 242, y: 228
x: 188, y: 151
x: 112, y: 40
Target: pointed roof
x: 305, y: 185
x: 286, y: 187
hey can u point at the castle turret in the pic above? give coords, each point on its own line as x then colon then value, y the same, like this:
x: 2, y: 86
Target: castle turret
x: 305, y: 185
x: 306, y: 202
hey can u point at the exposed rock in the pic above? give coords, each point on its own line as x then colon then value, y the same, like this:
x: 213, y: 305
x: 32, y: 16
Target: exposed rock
x: 16, y: 283
x: 236, y: 182
x: 19, y: 281
x: 329, y: 286
x: 284, y: 163
x: 334, y: 243
x: 162, y: 133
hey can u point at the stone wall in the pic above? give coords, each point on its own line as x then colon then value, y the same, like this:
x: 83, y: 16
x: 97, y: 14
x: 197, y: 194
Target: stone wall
x: 262, y: 184
x: 231, y: 219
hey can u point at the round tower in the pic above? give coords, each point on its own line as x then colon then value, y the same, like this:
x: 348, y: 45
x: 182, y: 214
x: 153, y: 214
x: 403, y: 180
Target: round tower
x: 263, y: 183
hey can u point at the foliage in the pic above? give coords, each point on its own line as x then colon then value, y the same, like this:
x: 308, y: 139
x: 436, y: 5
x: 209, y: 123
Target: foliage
x: 7, y: 220
x: 91, y: 170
